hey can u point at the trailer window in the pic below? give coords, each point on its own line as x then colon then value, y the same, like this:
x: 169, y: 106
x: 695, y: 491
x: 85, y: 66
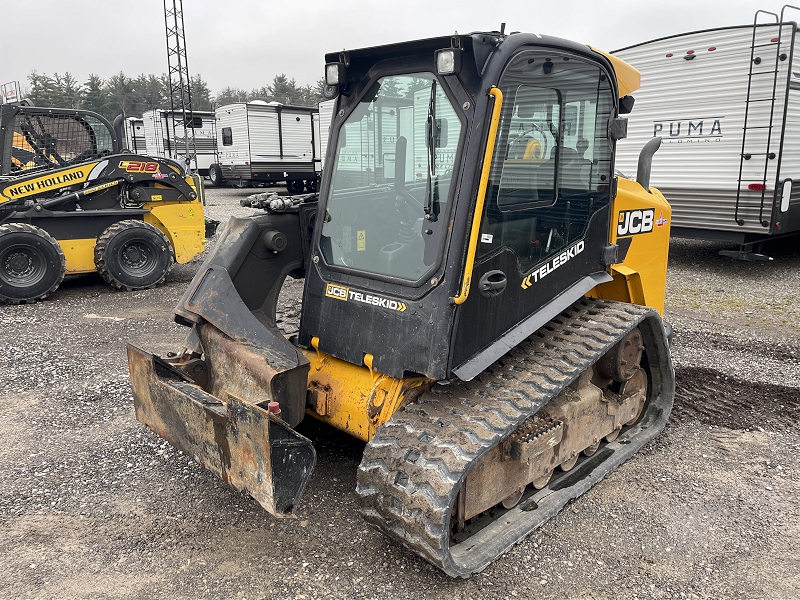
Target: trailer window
x: 395, y: 156
x: 551, y: 166
x: 227, y: 136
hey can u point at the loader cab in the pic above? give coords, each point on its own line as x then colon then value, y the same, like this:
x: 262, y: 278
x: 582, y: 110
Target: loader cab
x: 413, y: 158
x: 41, y: 139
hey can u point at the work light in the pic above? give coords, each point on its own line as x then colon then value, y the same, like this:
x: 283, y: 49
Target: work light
x: 448, y: 61
x: 335, y: 73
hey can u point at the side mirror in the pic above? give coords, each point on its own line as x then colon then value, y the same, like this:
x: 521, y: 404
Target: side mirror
x: 626, y: 105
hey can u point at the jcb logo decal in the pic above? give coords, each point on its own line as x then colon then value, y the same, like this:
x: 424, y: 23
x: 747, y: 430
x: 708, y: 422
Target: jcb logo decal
x: 135, y: 166
x: 335, y: 291
x: 342, y: 293
x: 632, y: 222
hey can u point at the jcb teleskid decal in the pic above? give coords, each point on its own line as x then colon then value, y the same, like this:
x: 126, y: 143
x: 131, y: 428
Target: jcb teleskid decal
x: 552, y: 264
x: 342, y: 293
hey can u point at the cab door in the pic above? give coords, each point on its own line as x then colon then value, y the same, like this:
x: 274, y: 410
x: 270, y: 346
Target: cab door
x: 545, y: 219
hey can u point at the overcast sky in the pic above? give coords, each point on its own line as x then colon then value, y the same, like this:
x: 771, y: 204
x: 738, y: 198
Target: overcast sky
x: 245, y: 43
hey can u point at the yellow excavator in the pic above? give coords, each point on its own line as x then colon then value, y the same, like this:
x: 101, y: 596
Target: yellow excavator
x: 72, y: 201
x: 481, y: 305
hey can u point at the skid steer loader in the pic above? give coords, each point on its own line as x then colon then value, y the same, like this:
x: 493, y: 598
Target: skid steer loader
x: 71, y: 201
x: 481, y: 301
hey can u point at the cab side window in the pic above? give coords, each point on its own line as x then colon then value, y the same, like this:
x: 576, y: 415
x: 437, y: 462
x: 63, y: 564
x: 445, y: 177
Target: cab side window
x: 551, y: 167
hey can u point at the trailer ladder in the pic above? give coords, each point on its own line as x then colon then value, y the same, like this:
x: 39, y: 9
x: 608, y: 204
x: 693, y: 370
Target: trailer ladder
x: 750, y: 103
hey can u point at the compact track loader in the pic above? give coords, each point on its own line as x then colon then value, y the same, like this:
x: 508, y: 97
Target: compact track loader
x: 481, y: 302
x: 72, y: 201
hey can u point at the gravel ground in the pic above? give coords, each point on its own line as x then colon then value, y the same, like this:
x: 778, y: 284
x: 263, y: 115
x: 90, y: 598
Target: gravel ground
x: 93, y: 505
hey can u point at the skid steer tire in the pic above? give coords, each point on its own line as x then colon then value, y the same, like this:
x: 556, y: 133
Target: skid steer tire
x: 133, y: 255
x: 32, y: 263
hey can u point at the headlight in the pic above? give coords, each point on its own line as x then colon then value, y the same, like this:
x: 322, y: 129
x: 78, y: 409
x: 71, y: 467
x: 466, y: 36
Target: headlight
x: 448, y: 61
x: 335, y: 74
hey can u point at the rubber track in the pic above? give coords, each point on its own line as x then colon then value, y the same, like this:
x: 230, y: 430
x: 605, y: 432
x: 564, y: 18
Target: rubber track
x: 412, y: 469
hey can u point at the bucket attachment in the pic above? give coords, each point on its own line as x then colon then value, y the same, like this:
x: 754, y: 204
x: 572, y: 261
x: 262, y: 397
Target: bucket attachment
x: 246, y: 445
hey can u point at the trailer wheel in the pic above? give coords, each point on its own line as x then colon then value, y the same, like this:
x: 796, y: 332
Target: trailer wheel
x: 311, y: 185
x: 294, y: 186
x: 32, y: 263
x: 133, y: 255
x: 215, y: 175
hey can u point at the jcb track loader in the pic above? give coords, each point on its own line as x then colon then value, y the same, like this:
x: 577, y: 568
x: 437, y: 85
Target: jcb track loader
x: 72, y: 201
x: 481, y: 302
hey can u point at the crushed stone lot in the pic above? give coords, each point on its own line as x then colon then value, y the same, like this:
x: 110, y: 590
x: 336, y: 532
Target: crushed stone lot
x: 93, y: 505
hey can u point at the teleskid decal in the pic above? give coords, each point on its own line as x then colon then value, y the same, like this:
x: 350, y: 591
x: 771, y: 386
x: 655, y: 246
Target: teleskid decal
x: 339, y: 292
x: 553, y: 264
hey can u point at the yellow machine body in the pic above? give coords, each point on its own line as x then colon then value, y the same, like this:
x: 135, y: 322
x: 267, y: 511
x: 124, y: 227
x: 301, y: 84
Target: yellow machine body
x: 642, y: 277
x: 354, y: 398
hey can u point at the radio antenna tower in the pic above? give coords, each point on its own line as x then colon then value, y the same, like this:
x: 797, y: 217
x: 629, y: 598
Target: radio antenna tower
x: 180, y: 89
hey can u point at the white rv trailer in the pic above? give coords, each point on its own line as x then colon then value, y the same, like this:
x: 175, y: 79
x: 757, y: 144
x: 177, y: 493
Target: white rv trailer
x: 326, y: 108
x: 134, y: 135
x: 726, y: 103
x: 367, y: 158
x: 261, y: 142
x: 163, y: 131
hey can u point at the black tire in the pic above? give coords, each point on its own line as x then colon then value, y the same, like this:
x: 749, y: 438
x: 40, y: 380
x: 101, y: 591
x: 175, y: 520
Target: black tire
x: 294, y: 186
x: 215, y: 176
x: 311, y: 185
x: 32, y: 263
x: 133, y: 255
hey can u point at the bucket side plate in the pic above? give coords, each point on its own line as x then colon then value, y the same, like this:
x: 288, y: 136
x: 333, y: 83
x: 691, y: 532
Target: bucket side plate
x: 248, y: 447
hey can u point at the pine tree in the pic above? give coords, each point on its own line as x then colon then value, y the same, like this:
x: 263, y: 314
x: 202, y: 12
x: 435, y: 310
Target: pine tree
x: 121, y: 96
x: 201, y: 95
x: 230, y: 95
x: 71, y: 92
x: 95, y: 97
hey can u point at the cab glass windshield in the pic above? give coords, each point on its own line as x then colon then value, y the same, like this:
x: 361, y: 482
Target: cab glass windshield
x: 393, y: 170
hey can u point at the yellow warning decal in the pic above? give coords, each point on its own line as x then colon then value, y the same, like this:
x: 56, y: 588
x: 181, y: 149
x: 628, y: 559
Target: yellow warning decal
x: 361, y: 243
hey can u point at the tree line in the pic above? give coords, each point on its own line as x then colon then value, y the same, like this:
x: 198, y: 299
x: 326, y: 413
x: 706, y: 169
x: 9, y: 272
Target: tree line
x: 132, y: 96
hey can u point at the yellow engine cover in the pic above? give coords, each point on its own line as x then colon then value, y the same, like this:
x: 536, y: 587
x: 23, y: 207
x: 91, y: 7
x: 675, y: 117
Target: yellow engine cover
x: 644, y: 217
